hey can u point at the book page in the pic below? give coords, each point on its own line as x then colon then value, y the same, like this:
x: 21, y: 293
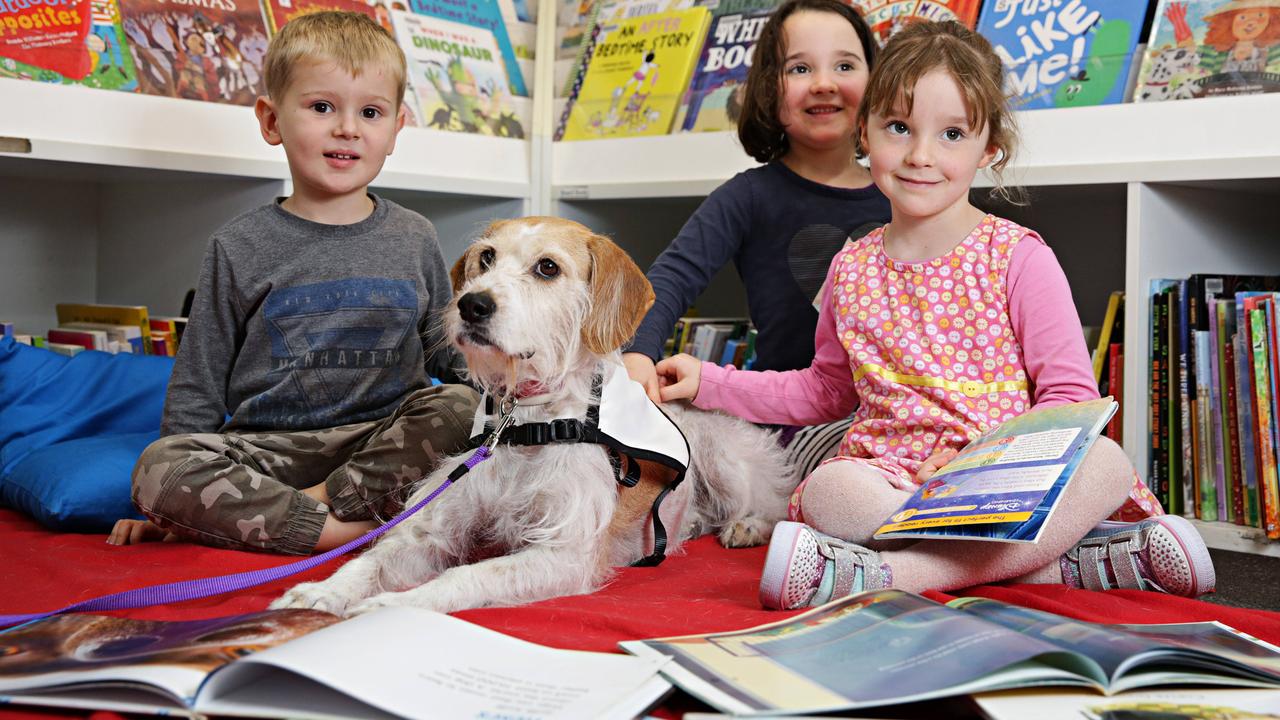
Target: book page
x: 80, y: 655
x: 420, y: 664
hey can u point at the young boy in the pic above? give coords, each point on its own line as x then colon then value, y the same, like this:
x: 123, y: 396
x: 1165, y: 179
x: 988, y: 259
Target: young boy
x: 299, y: 409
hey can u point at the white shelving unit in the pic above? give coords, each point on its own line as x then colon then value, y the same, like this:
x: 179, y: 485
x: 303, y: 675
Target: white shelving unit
x: 110, y: 197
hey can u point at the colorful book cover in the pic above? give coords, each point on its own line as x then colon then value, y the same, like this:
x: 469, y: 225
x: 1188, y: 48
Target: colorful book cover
x: 639, y: 69
x: 72, y: 42
x: 1201, y: 48
x: 210, y: 51
x: 458, y: 74
x: 134, y: 315
x: 887, y: 17
x: 1267, y: 477
x: 1064, y: 54
x: 714, y: 99
x: 280, y: 12
x: 1004, y: 485
x: 483, y: 14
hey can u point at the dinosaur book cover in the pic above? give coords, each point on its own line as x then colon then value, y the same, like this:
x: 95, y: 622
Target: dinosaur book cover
x: 457, y: 72
x: 1203, y: 48
x: 1064, y: 53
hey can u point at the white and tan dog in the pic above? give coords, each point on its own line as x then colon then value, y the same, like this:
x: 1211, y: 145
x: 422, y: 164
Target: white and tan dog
x: 542, y: 306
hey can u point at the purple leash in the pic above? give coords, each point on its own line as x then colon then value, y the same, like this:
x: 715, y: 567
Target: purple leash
x: 205, y: 587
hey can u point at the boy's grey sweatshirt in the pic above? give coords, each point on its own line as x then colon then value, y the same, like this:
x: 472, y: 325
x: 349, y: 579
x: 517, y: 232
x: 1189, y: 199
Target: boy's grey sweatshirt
x: 298, y: 325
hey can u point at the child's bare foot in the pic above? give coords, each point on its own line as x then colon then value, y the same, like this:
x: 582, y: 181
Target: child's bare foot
x: 132, y: 532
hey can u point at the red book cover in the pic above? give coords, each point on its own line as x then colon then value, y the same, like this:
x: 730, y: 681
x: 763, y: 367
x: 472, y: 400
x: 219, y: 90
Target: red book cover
x: 70, y: 337
x: 280, y: 12
x: 887, y: 17
x: 1233, y: 434
x: 1115, y: 383
x: 208, y: 50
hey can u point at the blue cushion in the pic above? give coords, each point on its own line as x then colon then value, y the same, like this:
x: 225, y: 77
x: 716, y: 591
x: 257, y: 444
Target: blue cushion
x: 47, y: 399
x: 79, y: 485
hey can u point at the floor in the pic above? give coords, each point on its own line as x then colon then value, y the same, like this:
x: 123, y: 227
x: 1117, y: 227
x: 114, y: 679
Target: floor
x: 1246, y: 580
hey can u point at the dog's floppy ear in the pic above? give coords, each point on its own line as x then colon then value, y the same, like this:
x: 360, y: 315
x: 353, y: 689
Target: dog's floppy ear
x: 458, y: 274
x: 620, y: 297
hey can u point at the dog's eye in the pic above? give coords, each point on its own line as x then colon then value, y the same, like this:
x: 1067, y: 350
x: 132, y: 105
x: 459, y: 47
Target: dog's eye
x: 486, y: 258
x: 547, y: 268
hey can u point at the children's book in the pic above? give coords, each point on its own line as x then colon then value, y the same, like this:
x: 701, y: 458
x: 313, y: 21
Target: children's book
x: 75, y: 42
x: 131, y: 315
x: 485, y: 15
x: 1202, y: 48
x: 394, y: 662
x: 1173, y: 704
x: 888, y: 646
x: 1004, y: 485
x: 209, y: 51
x: 458, y: 76
x: 1064, y: 54
x: 638, y: 71
x: 887, y: 17
x: 280, y: 12
x: 713, y: 101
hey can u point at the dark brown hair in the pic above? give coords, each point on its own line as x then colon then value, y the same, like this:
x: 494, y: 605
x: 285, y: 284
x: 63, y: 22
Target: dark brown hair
x: 921, y: 48
x: 761, y: 133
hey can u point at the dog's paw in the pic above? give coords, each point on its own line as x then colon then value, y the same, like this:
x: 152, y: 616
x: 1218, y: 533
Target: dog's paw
x: 314, y: 596
x: 746, y: 532
x: 391, y: 599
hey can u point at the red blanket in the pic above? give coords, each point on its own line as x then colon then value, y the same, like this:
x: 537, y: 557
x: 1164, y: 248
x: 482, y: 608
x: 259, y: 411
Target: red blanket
x: 706, y: 589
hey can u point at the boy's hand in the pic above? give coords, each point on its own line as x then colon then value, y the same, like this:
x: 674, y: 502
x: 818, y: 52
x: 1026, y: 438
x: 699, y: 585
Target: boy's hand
x: 679, y: 377
x: 640, y: 369
x: 132, y: 532
x: 934, y: 463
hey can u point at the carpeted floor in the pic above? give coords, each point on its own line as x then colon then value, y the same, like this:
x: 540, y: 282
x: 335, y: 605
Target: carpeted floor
x: 1246, y: 580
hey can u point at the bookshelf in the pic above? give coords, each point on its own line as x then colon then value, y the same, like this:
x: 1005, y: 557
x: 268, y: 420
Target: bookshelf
x: 110, y: 197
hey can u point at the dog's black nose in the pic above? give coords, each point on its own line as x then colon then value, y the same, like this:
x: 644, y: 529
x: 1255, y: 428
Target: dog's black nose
x: 476, y: 307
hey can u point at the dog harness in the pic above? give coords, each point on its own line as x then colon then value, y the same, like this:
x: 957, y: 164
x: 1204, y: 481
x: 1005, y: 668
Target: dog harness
x: 620, y: 417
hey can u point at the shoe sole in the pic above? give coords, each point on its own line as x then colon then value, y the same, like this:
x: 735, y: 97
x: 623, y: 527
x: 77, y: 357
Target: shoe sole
x: 773, y: 579
x: 1203, y: 576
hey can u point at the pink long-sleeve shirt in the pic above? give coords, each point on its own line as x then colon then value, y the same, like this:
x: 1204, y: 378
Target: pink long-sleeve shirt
x: 926, y: 355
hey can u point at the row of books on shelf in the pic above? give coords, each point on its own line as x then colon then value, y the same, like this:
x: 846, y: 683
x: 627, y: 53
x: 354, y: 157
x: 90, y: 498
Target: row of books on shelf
x: 722, y: 340
x: 871, y: 650
x: 1215, y: 398
x: 106, y: 328
x: 464, y: 59
x: 651, y: 67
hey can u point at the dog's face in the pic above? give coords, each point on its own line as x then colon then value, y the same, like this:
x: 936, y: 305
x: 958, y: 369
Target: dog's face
x: 536, y: 299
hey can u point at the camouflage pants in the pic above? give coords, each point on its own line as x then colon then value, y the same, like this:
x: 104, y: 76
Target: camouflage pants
x: 244, y: 490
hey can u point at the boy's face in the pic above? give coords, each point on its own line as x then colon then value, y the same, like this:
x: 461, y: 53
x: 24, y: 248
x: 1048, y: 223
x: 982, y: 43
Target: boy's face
x: 337, y: 130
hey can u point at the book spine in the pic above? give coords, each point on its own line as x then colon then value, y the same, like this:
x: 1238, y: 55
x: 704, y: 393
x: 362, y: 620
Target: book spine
x: 1186, y: 397
x: 1236, y: 489
x: 1206, y: 501
x: 1245, y: 411
x: 1262, y: 394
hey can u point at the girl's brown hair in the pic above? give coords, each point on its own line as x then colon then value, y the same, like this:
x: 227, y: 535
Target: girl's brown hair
x: 761, y: 133
x: 964, y: 54
x: 1220, y: 35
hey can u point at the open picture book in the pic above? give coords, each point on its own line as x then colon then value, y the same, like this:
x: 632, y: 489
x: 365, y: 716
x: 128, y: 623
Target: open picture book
x: 1004, y: 485
x: 887, y: 647
x: 393, y: 662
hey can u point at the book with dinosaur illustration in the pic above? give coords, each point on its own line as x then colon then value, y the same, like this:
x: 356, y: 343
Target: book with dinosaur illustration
x: 211, y: 52
x: 75, y: 42
x: 713, y: 101
x: 887, y: 17
x: 483, y: 15
x: 638, y: 71
x: 459, y: 78
x: 1064, y: 55
x: 1203, y: 48
x: 1005, y: 484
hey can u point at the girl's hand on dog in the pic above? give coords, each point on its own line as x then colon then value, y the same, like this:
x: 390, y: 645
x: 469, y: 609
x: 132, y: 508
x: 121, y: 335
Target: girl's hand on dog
x: 640, y: 368
x: 934, y: 463
x: 679, y: 375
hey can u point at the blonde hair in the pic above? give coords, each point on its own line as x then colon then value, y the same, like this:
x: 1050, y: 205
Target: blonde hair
x: 968, y: 57
x: 353, y: 41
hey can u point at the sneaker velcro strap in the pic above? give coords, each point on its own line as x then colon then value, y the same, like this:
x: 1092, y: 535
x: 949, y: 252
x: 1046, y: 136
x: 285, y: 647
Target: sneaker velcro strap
x: 1123, y: 564
x: 1092, y: 575
x: 849, y: 560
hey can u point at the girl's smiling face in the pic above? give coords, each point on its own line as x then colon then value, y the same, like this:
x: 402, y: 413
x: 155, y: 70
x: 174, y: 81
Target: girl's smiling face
x: 824, y: 75
x: 1249, y: 24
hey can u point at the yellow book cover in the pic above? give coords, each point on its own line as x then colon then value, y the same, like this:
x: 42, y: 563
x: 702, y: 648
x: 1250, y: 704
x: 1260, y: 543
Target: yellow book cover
x: 638, y: 72
x: 135, y: 315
